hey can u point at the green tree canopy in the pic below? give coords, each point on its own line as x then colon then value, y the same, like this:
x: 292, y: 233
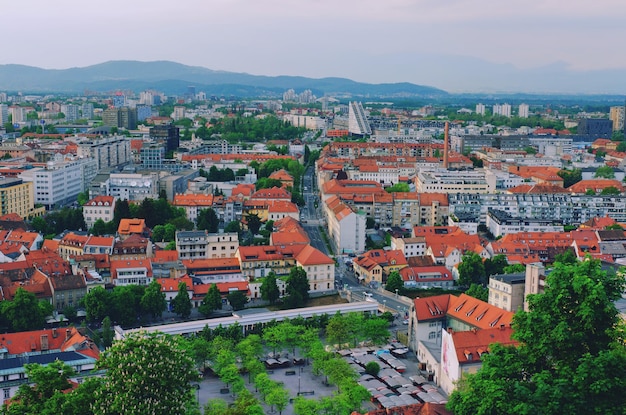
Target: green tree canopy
x: 472, y: 270
x: 181, y: 304
x: 153, y: 300
x: 269, y: 288
x: 237, y: 300
x: 24, y: 312
x: 146, y: 374
x: 571, y: 342
x: 394, y: 283
x: 605, y: 172
x: 478, y: 291
x: 208, y: 220
x: 297, y: 290
x: 212, y: 301
x: 399, y: 188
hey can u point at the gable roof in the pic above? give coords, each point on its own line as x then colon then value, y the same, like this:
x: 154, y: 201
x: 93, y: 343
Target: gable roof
x: 470, y: 345
x: 312, y: 256
x: 477, y: 313
x: 432, y: 308
x: 129, y: 226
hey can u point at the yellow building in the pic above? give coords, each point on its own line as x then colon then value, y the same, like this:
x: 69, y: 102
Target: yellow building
x: 17, y: 196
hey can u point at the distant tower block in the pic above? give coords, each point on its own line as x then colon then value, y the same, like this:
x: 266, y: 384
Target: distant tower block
x: 446, y: 145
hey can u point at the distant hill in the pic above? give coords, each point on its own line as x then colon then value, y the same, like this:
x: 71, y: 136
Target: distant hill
x: 173, y: 78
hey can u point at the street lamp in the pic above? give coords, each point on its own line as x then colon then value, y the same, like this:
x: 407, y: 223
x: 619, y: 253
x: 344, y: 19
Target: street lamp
x: 396, y: 293
x: 384, y: 305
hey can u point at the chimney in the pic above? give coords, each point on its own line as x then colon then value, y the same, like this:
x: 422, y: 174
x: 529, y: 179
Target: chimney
x: 502, y: 326
x: 67, y: 334
x: 446, y: 145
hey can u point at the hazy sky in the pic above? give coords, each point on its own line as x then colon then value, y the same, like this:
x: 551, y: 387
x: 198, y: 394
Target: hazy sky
x: 365, y: 40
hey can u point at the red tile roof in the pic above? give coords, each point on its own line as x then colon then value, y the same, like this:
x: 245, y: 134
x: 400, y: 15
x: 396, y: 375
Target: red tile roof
x: 477, y: 342
x: 432, y: 308
x: 477, y: 313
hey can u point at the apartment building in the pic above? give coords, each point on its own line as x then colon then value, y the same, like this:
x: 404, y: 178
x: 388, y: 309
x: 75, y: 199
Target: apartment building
x: 507, y: 291
x: 346, y: 227
x: 100, y: 207
x: 17, y: 196
x: 448, y: 181
x: 107, y: 151
x: 60, y: 182
x: 204, y: 245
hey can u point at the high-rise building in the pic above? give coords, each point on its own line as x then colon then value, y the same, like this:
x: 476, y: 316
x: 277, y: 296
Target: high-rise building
x: 119, y: 100
x: 4, y: 114
x: 480, y: 109
x: 179, y: 113
x: 4, y: 97
x: 87, y: 111
x: 523, y: 111
x: 616, y: 114
x: 168, y: 134
x: 357, y: 120
x: 143, y: 112
x: 70, y: 111
x: 107, y: 151
x: 504, y: 110
x: 120, y: 117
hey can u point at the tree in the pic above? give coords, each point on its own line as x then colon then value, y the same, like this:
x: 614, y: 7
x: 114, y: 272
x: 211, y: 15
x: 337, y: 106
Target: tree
x: 233, y: 226
x: 372, y: 368
x: 471, y: 270
x: 567, y: 257
x: 570, y: 177
x: 495, y: 265
x: 514, y: 268
x: 370, y: 222
x: 49, y: 382
x: 297, y: 288
x: 605, y: 172
x: 212, y: 301
x: 478, y: 291
x: 146, y: 373
x: 269, y: 288
x: 237, y: 300
x: 610, y: 190
x: 254, y: 223
x: 107, y: 332
x: 278, y: 397
x: 153, y: 300
x: 24, y: 312
x: 181, y: 304
x: 395, y: 284
x: 207, y: 220
x: 571, y: 342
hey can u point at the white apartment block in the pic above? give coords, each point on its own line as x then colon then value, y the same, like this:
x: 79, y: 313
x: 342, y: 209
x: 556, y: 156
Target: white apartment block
x: 410, y: 247
x: 480, y: 109
x: 504, y: 110
x: 203, y: 245
x: 345, y: 226
x: 507, y: 291
x: 107, y: 151
x: 132, y: 186
x: 100, y: 207
x: 446, y: 181
x: 60, y: 182
x: 523, y: 110
x: 71, y: 112
x: 309, y: 122
x: 4, y: 114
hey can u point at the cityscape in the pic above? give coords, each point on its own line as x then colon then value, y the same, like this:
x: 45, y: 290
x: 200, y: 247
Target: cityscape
x: 392, y: 254
x: 313, y: 208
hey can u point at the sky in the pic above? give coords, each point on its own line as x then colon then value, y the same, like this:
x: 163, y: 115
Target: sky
x: 364, y: 40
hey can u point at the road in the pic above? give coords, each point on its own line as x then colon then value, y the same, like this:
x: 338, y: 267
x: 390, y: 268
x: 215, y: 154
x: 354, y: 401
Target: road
x: 344, y: 277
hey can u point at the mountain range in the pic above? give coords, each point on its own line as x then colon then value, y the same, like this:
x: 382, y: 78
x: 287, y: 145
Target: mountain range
x: 174, y: 78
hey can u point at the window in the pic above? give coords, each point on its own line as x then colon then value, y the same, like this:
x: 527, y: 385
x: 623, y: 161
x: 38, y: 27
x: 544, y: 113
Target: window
x: 432, y: 335
x: 7, y: 393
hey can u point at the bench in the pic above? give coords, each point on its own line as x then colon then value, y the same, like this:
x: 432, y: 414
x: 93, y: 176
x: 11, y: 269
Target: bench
x: 290, y: 373
x: 224, y: 391
x: 306, y: 393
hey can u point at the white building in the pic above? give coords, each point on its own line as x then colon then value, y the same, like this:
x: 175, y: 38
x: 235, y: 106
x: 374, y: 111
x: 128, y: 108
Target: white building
x: 132, y: 186
x: 4, y: 114
x: 357, y: 120
x: 107, y: 151
x: 100, y: 207
x: 480, y: 109
x: 523, y: 110
x: 446, y: 181
x: 507, y: 291
x: 204, y: 245
x: 71, y: 112
x: 410, y: 247
x: 60, y: 182
x: 346, y: 227
x: 504, y: 110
